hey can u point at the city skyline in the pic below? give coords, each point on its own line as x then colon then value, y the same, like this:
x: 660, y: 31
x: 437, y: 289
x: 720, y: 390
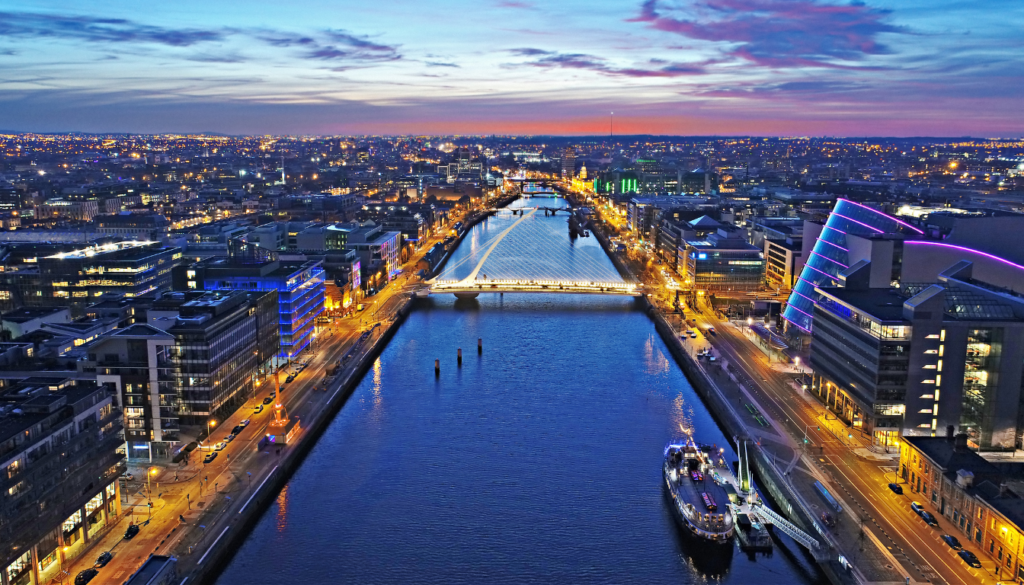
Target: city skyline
x: 733, y: 67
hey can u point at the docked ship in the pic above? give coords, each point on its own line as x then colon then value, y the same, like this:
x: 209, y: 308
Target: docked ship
x: 701, y: 500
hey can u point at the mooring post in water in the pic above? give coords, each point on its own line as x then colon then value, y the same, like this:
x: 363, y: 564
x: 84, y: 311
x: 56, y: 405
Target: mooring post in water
x: 479, y: 345
x: 437, y: 367
x: 460, y: 357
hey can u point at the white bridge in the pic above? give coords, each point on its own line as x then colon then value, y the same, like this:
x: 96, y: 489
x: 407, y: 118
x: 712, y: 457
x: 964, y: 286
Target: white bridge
x: 475, y: 282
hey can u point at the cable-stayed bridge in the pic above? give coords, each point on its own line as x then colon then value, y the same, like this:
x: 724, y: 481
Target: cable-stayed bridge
x: 528, y: 254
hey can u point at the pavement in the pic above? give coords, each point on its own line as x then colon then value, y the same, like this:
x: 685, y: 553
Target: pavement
x: 196, y: 503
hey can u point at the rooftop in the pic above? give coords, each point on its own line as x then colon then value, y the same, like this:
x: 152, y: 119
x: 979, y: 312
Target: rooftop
x: 884, y: 304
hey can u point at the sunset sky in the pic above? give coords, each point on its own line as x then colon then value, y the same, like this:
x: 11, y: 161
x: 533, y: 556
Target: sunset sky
x: 761, y: 67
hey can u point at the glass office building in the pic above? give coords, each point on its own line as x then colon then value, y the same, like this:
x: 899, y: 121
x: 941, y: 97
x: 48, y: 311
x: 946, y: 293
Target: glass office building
x: 831, y: 254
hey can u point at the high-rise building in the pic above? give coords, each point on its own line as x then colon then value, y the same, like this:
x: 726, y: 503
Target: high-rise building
x: 60, y: 443
x: 135, y: 363
x: 568, y: 162
x: 842, y: 241
x: 913, y: 360
x: 220, y: 343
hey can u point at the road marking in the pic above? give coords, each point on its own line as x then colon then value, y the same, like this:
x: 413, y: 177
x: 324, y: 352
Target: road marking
x: 211, y: 546
x: 258, y: 488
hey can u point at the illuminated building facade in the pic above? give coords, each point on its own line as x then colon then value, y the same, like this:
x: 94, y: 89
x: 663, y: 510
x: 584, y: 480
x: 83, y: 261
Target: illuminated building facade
x: 913, y: 360
x: 842, y: 242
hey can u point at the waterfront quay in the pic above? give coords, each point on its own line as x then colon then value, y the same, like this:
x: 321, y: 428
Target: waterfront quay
x: 197, y: 511
x: 799, y: 443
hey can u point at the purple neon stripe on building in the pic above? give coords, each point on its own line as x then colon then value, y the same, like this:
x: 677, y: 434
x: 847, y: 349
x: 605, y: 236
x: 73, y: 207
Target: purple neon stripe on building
x: 821, y: 271
x: 794, y: 324
x: 858, y: 222
x: 883, y: 214
x: 805, y: 296
x: 794, y: 307
x: 807, y: 281
x: 834, y: 229
x: 965, y: 249
x: 830, y: 260
x: 833, y: 245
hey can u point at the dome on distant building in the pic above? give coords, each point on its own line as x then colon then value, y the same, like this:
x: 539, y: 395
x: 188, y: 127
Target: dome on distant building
x: 583, y: 172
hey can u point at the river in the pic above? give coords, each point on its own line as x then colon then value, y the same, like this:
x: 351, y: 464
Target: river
x: 538, y: 461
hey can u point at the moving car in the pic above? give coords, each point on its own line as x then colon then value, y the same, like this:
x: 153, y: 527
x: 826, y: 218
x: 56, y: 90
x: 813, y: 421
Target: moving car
x: 268, y: 400
x: 85, y: 576
x: 970, y: 558
x: 952, y: 542
x: 896, y: 488
x: 133, y: 529
x: 220, y: 446
x: 210, y: 457
x: 289, y: 379
x: 103, y: 560
x: 711, y: 330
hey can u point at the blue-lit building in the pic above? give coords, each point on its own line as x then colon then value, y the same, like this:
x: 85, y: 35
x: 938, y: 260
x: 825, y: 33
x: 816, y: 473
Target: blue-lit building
x: 847, y: 237
x: 300, y: 287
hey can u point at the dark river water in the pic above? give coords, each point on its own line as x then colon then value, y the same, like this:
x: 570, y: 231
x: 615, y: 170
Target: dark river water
x: 538, y: 461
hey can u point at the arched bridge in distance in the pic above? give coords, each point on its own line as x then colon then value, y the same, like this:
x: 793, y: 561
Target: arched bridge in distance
x: 552, y: 270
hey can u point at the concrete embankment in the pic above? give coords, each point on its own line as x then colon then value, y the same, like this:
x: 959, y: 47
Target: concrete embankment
x: 238, y: 529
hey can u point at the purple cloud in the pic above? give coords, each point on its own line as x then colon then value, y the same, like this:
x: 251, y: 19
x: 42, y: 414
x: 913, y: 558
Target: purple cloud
x: 111, y: 30
x: 779, y: 33
x: 550, y: 60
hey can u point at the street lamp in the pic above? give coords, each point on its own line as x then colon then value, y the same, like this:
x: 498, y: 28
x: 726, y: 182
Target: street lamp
x: 209, y: 427
x: 149, y: 485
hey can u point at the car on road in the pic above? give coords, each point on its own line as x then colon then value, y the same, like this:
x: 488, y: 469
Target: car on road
x: 268, y: 400
x: 85, y: 576
x: 952, y: 542
x: 229, y: 438
x: 693, y: 335
x: 133, y: 529
x: 210, y: 457
x: 258, y: 408
x: 128, y: 476
x: 244, y: 423
x: 220, y: 446
x: 711, y: 330
x: 916, y: 507
x: 289, y: 379
x: 929, y: 519
x: 237, y: 429
x: 970, y: 558
x: 896, y: 488
x: 103, y: 560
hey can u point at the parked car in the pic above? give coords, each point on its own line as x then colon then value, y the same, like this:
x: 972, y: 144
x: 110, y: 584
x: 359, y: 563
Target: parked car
x: 128, y: 476
x: 210, y: 457
x: 828, y: 519
x: 229, y: 438
x: 289, y: 379
x: 952, y: 542
x: 244, y: 423
x: 258, y: 409
x: 103, y: 559
x: 133, y: 529
x: 896, y: 488
x: 237, y: 429
x: 929, y: 519
x: 916, y: 507
x: 268, y: 400
x: 85, y: 576
x: 693, y: 335
x: 970, y: 558
x: 220, y: 446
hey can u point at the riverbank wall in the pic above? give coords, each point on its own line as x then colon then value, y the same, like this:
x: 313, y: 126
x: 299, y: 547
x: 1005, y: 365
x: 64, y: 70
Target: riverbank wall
x: 222, y: 550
